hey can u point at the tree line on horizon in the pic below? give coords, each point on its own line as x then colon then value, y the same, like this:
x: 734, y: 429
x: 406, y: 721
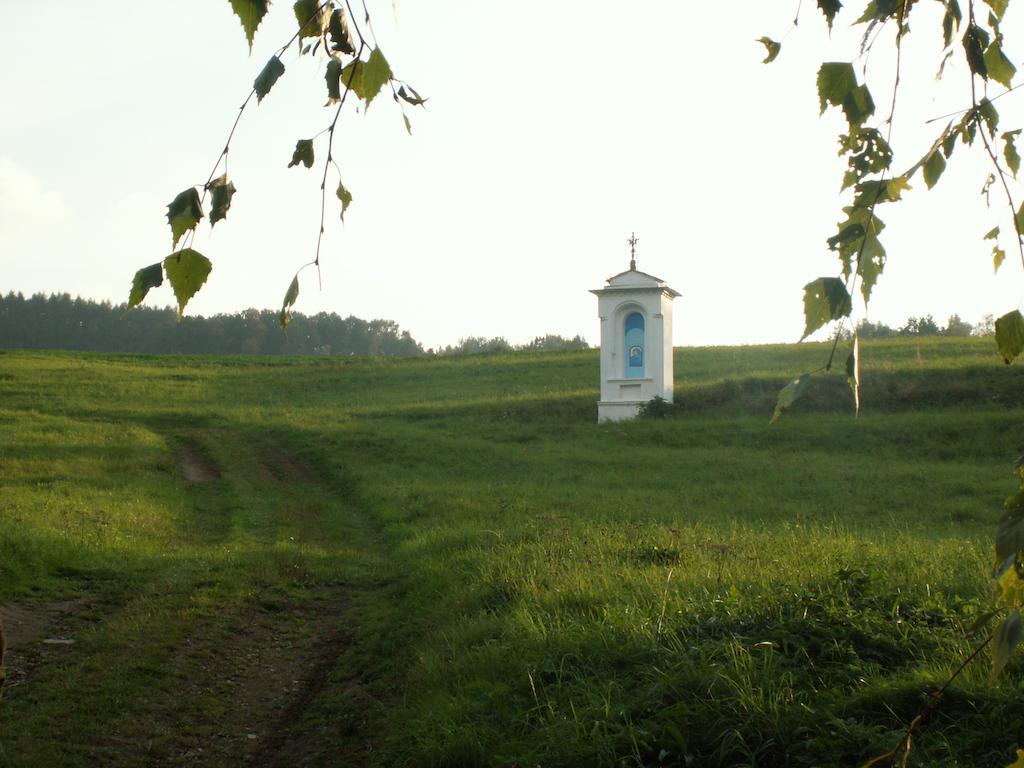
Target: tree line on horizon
x: 61, y: 322
x: 58, y: 321
x: 927, y: 326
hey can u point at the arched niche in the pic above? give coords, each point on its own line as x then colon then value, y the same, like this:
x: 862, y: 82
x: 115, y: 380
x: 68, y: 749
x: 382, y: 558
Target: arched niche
x: 634, y: 329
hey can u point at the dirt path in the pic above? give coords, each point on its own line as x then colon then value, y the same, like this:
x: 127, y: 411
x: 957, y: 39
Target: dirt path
x: 39, y: 632
x: 251, y: 698
x: 196, y: 466
x: 239, y: 654
x: 267, y: 692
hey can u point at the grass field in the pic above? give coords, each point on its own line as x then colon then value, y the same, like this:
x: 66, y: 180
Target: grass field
x: 265, y: 561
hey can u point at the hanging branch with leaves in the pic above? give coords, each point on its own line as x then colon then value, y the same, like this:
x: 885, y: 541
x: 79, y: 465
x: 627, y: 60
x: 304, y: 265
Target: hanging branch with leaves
x: 869, y: 155
x: 862, y: 257
x: 354, y: 65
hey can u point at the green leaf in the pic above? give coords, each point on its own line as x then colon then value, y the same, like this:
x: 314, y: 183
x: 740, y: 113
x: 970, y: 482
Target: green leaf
x: 927, y: 155
x: 376, y: 73
x: 871, y: 264
x: 408, y: 125
x: 1005, y: 639
x: 871, y: 13
x: 999, y: 67
x: 289, y: 301
x: 1010, y: 336
x: 187, y: 270
x: 825, y: 299
x: 950, y: 22
x: 1018, y: 219
x: 871, y: 192
x: 222, y: 191
x: 980, y: 621
x: 250, y: 13
x: 836, y: 80
x: 267, y: 77
x: 975, y: 41
x: 989, y: 114
x: 333, y: 77
x: 789, y: 394
x: 1010, y: 151
x: 946, y: 57
x: 303, y: 153
x: 313, y: 20
x: 998, y: 254
x: 895, y: 187
x: 846, y: 236
x: 853, y: 371
x: 998, y: 257
x: 830, y: 8
x: 341, y: 38
x: 968, y: 128
x: 184, y: 213
x: 146, y: 278
x: 346, y: 199
x: 949, y: 144
x: 411, y: 96
x: 771, y: 47
x: 1010, y: 533
x: 987, y: 187
x: 861, y: 221
x: 352, y: 77
x: 868, y: 152
x: 878, y: 11
x: 858, y: 106
x: 998, y: 7
x: 933, y: 168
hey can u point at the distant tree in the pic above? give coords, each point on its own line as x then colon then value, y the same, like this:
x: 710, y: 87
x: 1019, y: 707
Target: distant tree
x: 986, y: 326
x: 481, y: 345
x: 58, y: 322
x: 552, y: 342
x: 957, y: 327
x: 869, y: 330
x: 919, y: 326
x: 478, y: 345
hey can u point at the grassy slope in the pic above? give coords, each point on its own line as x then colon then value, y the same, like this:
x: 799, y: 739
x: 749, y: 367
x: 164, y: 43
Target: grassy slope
x: 525, y: 587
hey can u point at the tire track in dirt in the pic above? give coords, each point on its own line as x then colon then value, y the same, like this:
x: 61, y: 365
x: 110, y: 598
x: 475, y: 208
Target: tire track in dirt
x: 195, y: 466
x: 243, y: 694
x: 250, y: 691
x: 39, y: 632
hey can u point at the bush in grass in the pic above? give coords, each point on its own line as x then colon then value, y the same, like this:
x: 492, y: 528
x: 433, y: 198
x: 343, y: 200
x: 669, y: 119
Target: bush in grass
x: 657, y: 408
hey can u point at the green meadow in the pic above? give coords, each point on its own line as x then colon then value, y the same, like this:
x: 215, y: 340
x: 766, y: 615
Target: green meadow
x: 447, y: 562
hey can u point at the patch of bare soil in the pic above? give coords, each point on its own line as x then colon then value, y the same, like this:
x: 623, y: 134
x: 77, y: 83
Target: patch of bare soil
x: 195, y: 465
x: 38, y: 632
x: 245, y: 696
x: 285, y: 468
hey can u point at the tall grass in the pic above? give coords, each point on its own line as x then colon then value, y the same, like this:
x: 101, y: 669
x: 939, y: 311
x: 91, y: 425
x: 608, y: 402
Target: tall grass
x: 526, y: 586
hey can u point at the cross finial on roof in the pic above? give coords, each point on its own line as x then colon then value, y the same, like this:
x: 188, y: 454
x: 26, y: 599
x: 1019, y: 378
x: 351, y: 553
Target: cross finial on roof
x: 633, y: 240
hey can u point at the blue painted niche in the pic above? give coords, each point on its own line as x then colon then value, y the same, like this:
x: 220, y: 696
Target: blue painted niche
x: 634, y: 330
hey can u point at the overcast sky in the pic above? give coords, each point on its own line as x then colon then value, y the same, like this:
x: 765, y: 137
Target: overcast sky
x: 553, y: 131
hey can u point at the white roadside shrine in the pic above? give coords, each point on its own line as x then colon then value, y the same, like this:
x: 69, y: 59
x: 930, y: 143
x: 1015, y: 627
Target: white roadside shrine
x: 636, y: 341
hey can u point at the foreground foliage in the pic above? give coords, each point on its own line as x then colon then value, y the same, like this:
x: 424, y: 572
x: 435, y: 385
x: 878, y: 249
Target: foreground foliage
x: 356, y: 71
x: 972, y: 36
x: 520, y: 586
